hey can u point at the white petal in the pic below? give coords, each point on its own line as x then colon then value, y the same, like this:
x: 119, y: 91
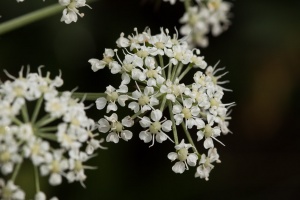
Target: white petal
x: 127, y: 121
x: 167, y: 126
x: 160, y: 137
x: 123, y: 89
x: 134, y: 106
x: 145, y: 136
x: 192, y: 159
x: 172, y: 156
x: 145, y: 122
x: 171, y: 97
x: 101, y: 103
x: 208, y: 143
x: 125, y: 79
x: 55, y: 179
x: 40, y: 196
x: 178, y: 118
x: 156, y: 115
x: 111, y: 107
x: 104, y: 125
x: 199, y: 123
x: 136, y: 94
x: 177, y: 109
x: 188, y: 102
x: 122, y: 99
x: 200, y: 135
x: 179, y: 167
x: 126, y: 135
x: 112, y: 137
x: 96, y: 64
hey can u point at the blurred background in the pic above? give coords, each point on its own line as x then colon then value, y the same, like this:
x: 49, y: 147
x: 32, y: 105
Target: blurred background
x: 261, y: 49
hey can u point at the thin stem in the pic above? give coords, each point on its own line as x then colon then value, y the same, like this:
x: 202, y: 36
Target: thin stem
x: 37, y: 109
x: 25, y: 113
x: 29, y: 18
x: 179, y: 70
x: 173, y: 124
x: 188, y: 135
x: 36, y: 178
x: 169, y: 70
x: 16, y: 171
x: 45, y: 120
x: 17, y: 121
x: 88, y: 96
x: 161, y: 62
x: 135, y: 115
x: 187, y: 4
x: 50, y: 128
x: 185, y: 71
x: 162, y: 105
x: 174, y: 72
x: 49, y: 136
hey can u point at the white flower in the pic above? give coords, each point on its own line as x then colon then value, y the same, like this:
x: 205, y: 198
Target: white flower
x: 209, y: 133
x: 145, y: 100
x: 112, y: 96
x: 115, y: 128
x: 189, y: 113
x: 10, y: 191
x: 173, y: 90
x: 185, y: 158
x: 70, y: 12
x: 205, y: 166
x: 155, y: 128
x: 26, y: 133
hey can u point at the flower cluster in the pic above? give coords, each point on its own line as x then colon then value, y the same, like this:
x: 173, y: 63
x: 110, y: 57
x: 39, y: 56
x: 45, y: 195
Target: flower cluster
x: 152, y: 69
x: 202, y: 18
x: 71, y: 12
x: 57, y: 136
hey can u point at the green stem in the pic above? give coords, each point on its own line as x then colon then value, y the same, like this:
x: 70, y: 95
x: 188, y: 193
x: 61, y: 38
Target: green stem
x: 16, y: 171
x: 179, y: 69
x: 187, y: 4
x: 45, y: 120
x: 88, y: 96
x: 188, y: 135
x: 50, y: 128
x: 29, y: 18
x: 185, y: 71
x: 49, y: 136
x: 16, y: 121
x: 25, y: 113
x: 173, y: 123
x: 37, y: 109
x: 36, y: 178
x: 161, y: 62
x: 169, y: 70
x: 135, y: 115
x: 163, y: 103
x: 174, y: 72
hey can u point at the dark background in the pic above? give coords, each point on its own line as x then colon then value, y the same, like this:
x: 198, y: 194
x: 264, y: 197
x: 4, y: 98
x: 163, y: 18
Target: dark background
x: 261, y: 52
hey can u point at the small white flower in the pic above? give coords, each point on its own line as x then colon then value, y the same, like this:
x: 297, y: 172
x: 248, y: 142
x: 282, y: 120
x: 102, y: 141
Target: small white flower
x: 112, y: 96
x: 185, y: 158
x: 10, y: 191
x: 205, y: 166
x: 71, y: 11
x: 155, y: 128
x: 115, y: 128
x: 209, y: 133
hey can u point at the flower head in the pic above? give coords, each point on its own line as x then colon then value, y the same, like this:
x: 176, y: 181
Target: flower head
x: 47, y: 138
x: 152, y: 69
